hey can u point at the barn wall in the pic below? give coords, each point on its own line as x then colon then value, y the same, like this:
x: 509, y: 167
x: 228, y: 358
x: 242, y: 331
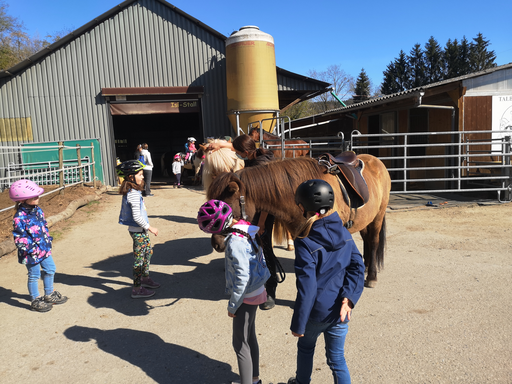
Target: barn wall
x: 146, y: 44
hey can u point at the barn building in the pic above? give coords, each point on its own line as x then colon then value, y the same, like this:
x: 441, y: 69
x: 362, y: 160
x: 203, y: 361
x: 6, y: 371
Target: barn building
x: 145, y: 71
x: 476, y: 107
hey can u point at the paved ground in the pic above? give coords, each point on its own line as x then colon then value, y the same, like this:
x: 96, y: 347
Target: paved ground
x: 439, y: 314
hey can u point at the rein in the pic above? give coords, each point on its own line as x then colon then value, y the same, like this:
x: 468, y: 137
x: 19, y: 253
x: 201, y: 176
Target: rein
x: 241, y: 200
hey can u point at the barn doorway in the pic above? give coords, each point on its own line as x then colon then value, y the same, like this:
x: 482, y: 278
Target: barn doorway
x: 161, y: 117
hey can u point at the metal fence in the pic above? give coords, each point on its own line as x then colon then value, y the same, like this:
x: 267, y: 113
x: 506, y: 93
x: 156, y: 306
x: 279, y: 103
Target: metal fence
x: 52, y: 172
x: 430, y: 162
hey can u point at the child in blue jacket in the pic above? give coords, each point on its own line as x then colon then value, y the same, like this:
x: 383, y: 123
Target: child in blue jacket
x: 330, y: 279
x: 34, y: 244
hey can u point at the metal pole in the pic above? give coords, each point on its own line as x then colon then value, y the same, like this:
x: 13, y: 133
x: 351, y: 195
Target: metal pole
x: 61, y: 166
x: 79, y: 158
x: 93, y: 166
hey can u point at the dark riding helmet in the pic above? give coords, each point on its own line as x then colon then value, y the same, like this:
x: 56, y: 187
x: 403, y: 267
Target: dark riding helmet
x: 315, y: 196
x: 130, y: 167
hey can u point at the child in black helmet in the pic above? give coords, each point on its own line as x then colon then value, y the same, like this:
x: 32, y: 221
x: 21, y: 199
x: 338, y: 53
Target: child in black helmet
x: 330, y: 279
x: 134, y: 215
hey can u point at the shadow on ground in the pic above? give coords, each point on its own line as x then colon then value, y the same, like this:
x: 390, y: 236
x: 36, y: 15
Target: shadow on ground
x: 163, y: 362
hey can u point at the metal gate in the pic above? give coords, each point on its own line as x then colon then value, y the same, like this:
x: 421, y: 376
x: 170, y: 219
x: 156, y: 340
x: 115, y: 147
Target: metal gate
x: 430, y: 162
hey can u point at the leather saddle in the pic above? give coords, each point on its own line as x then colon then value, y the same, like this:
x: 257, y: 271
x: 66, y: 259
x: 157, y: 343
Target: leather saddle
x: 349, y: 170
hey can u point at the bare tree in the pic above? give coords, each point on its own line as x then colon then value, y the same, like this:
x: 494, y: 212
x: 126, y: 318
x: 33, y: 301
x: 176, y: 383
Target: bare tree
x: 342, y: 83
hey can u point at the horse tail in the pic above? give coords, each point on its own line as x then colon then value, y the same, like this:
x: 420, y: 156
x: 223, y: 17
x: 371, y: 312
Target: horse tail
x: 382, y: 245
x: 279, y: 234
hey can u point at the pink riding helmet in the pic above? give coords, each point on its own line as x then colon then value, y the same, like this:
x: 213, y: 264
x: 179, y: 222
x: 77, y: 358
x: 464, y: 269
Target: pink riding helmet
x: 214, y: 216
x: 176, y: 156
x: 24, y: 189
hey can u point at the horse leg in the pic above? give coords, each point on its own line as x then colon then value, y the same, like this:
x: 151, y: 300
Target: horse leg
x: 374, y: 238
x: 289, y: 239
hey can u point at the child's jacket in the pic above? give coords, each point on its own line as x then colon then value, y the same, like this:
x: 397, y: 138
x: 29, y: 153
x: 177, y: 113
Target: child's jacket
x: 31, y: 235
x: 328, y: 268
x: 246, y: 270
x: 133, y: 212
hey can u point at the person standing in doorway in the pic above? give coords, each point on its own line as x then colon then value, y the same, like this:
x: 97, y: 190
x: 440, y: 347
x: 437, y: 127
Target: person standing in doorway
x: 177, y: 164
x: 148, y: 170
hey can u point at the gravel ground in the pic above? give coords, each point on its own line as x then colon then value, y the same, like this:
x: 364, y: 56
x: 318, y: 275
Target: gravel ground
x: 440, y: 312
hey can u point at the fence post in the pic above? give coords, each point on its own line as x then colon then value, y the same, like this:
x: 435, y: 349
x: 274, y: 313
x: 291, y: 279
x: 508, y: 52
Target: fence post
x: 93, y: 166
x: 507, y: 148
x: 61, y: 166
x: 79, y: 158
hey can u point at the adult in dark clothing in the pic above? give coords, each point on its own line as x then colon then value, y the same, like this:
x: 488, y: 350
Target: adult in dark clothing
x: 245, y: 148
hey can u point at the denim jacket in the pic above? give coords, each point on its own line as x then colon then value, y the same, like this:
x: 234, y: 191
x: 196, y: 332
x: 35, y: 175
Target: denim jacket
x: 126, y: 215
x: 246, y: 270
x: 31, y: 235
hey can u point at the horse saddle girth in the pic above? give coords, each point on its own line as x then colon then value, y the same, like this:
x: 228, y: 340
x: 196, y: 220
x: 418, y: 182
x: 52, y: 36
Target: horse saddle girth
x: 349, y: 170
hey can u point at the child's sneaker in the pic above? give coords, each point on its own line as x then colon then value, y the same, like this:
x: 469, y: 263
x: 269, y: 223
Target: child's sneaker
x: 141, y: 292
x: 148, y: 282
x: 40, y: 306
x: 55, y: 298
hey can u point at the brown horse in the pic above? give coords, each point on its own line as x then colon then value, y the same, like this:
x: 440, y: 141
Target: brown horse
x: 293, y: 148
x: 271, y: 188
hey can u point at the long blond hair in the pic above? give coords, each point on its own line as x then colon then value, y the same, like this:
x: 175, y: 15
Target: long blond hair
x: 311, y: 218
x: 222, y: 160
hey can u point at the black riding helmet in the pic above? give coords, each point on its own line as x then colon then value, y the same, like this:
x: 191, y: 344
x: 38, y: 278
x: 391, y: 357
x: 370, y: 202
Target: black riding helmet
x: 129, y: 167
x: 315, y: 196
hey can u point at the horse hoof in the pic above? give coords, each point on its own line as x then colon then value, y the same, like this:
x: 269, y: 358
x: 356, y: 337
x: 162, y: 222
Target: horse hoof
x: 290, y: 248
x: 370, y: 283
x: 269, y: 304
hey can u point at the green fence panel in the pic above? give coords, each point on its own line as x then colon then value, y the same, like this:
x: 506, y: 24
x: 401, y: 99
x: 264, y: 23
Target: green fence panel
x: 30, y: 155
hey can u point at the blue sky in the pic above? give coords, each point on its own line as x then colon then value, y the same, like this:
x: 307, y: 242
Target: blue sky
x: 313, y: 35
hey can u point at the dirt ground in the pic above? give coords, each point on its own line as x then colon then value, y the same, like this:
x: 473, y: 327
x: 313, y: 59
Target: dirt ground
x: 51, y: 204
x: 440, y: 312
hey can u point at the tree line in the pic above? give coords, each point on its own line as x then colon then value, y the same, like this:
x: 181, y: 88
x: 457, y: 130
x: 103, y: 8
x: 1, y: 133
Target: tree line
x: 434, y: 63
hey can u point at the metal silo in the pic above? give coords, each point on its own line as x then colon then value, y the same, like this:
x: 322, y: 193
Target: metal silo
x: 251, y: 78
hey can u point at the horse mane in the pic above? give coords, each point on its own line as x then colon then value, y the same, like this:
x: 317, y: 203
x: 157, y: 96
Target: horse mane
x: 272, y: 183
x: 222, y: 160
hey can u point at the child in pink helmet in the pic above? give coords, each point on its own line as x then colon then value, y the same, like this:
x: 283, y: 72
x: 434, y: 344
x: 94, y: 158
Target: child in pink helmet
x: 34, y: 243
x: 246, y: 274
x: 176, y: 169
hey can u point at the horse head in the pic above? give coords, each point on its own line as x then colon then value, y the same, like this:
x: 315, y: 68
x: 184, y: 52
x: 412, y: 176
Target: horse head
x: 228, y: 187
x: 254, y: 133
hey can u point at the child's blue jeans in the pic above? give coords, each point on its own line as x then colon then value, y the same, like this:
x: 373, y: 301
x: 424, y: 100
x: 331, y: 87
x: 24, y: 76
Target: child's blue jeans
x: 34, y: 274
x: 334, y: 335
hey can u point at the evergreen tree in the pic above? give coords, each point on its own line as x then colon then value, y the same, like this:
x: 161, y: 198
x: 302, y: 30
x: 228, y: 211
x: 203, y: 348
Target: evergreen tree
x: 451, y: 59
x: 464, y: 61
x: 396, y: 76
x: 481, y: 57
x: 416, y: 60
x: 362, y: 89
x: 433, y: 61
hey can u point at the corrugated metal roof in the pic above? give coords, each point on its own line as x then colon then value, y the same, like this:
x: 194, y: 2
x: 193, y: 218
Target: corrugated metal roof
x: 89, y: 26
x: 410, y: 92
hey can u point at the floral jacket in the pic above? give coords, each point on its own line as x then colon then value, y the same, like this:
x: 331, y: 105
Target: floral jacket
x: 31, y: 235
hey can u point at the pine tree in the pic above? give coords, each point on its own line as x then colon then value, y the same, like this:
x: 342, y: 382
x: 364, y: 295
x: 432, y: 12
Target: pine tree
x: 451, y: 59
x: 463, y: 59
x: 481, y: 58
x: 396, y: 76
x: 416, y: 60
x: 362, y: 89
x: 433, y: 61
